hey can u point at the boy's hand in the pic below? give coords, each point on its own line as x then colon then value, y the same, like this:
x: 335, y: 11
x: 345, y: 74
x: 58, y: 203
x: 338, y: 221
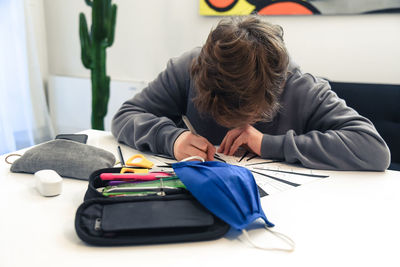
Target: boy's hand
x: 247, y: 136
x: 188, y: 144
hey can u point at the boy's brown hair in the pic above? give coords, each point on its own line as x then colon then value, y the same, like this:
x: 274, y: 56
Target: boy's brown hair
x: 240, y: 71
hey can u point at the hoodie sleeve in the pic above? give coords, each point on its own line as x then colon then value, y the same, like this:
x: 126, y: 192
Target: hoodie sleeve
x: 148, y: 120
x: 331, y: 136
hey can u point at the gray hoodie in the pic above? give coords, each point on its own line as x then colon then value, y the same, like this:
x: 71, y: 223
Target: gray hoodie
x: 313, y: 126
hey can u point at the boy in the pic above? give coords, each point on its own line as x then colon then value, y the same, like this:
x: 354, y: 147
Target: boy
x: 241, y: 89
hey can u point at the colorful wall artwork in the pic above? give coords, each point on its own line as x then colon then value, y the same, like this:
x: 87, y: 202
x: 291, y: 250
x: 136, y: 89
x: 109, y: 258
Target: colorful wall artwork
x: 296, y: 7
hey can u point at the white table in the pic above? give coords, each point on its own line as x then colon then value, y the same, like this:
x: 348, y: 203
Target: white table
x: 348, y: 219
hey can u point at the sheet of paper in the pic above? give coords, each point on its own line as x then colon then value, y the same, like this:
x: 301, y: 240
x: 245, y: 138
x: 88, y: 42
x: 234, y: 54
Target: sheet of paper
x: 273, y: 177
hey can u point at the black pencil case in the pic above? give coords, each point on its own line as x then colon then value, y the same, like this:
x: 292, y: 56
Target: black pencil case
x: 133, y: 220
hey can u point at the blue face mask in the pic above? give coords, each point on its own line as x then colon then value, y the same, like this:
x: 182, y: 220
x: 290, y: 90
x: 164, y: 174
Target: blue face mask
x: 228, y: 191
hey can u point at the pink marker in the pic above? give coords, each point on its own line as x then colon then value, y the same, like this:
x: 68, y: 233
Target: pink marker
x: 134, y: 176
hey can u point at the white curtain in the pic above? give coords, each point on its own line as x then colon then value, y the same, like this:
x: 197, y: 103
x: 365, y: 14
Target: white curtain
x: 24, y: 117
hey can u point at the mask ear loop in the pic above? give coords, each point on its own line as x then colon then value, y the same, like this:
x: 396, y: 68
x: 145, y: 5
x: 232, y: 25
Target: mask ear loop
x: 192, y: 158
x: 279, y: 235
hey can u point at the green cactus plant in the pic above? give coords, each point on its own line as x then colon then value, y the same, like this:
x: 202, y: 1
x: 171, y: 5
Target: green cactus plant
x: 93, y: 54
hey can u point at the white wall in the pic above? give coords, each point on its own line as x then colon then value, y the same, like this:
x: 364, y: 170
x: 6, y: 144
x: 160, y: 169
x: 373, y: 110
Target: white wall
x: 362, y: 48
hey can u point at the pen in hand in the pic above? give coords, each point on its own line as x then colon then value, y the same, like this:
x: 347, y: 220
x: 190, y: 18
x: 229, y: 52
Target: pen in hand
x: 189, y: 125
x: 193, y: 131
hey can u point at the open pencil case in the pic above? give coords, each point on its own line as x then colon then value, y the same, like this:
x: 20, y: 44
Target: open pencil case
x: 148, y: 219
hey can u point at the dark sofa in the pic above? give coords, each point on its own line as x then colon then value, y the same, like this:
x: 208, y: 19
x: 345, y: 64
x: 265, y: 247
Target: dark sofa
x: 381, y: 104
